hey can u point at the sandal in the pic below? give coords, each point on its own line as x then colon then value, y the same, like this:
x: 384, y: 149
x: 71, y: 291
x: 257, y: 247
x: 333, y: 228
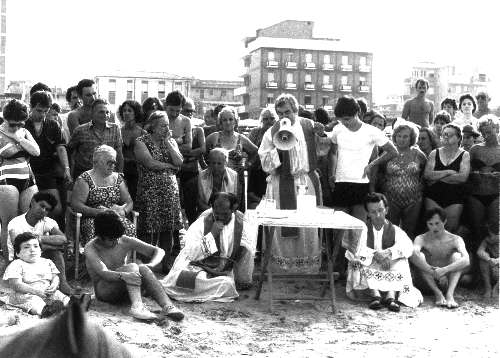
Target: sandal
x: 392, y: 305
x: 375, y: 304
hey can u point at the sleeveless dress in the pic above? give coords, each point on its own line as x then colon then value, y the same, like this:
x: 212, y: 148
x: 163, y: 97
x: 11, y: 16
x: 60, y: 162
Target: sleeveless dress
x: 442, y: 193
x: 403, y: 184
x: 157, y: 193
x: 235, y: 162
x: 102, y: 196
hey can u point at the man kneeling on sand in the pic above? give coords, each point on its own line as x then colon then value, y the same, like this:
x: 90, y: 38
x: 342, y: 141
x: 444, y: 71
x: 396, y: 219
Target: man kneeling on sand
x: 114, y: 279
x: 440, y: 258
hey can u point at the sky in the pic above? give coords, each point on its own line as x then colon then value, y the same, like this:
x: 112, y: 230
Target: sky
x: 60, y: 42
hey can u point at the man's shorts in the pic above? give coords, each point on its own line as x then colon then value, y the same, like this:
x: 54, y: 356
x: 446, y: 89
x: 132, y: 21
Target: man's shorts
x: 346, y: 194
x: 46, y: 181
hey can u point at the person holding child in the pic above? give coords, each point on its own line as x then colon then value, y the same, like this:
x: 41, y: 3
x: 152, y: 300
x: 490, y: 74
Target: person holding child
x: 34, y: 279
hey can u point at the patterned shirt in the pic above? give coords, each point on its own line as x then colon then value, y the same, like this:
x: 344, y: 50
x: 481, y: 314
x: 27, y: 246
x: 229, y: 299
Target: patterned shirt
x: 87, y: 137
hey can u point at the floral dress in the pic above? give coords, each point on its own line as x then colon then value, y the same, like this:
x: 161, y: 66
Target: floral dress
x: 102, y: 197
x: 157, y: 193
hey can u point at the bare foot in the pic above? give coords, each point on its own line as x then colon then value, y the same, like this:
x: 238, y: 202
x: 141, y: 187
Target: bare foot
x: 451, y: 304
x: 440, y: 300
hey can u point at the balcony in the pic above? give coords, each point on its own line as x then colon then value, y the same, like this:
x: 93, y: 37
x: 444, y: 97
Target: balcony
x: 346, y: 68
x: 328, y: 67
x: 309, y: 86
x: 309, y: 106
x: 364, y: 68
x: 290, y: 86
x: 240, y: 91
x: 309, y: 65
x: 364, y: 88
x: 291, y: 65
x: 271, y: 84
x: 328, y: 108
x: 345, y: 88
x: 327, y: 87
x: 272, y: 64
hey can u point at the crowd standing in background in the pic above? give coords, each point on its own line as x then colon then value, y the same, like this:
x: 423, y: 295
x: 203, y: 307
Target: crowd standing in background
x: 433, y: 176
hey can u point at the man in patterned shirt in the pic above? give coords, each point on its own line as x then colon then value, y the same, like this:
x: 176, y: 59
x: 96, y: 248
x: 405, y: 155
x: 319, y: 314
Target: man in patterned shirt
x: 89, y: 136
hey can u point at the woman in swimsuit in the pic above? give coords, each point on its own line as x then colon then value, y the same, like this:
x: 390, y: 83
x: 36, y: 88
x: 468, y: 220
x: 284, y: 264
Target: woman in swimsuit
x: 131, y: 114
x: 235, y: 143
x: 446, y: 171
x: 484, y: 180
x: 17, y: 183
x: 403, y: 179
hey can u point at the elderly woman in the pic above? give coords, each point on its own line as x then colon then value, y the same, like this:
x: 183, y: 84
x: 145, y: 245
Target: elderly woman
x: 427, y: 140
x: 17, y: 184
x: 484, y: 179
x: 131, y: 114
x: 216, y: 178
x: 403, y: 179
x: 446, y: 171
x: 159, y: 159
x: 257, y: 177
x: 233, y: 142
x: 101, y: 189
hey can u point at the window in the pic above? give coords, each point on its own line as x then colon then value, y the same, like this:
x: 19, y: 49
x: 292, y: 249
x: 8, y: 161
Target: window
x: 326, y: 79
x: 362, y: 61
x: 325, y: 101
x: 246, y: 99
x: 270, y: 98
x: 343, y: 80
x: 345, y: 60
x: 112, y: 97
x: 289, y: 77
x: 223, y: 93
x: 144, y: 90
x: 177, y: 86
x: 289, y: 57
x: 246, y: 80
x: 270, y: 77
x: 210, y: 92
x: 326, y: 59
x: 112, y: 82
x: 270, y: 56
x: 2, y: 45
x: 308, y: 78
x: 130, y: 89
x: 202, y: 94
x: 307, y: 100
x: 309, y: 57
x: 362, y: 81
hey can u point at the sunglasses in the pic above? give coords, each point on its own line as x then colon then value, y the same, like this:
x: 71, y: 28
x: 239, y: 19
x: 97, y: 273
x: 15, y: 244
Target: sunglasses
x: 16, y: 124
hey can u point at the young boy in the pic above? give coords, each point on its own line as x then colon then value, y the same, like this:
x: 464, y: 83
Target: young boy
x: 34, y: 279
x: 488, y: 261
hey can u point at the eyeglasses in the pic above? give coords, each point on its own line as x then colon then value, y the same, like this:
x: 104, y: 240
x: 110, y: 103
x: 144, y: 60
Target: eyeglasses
x: 111, y: 162
x: 16, y: 124
x: 481, y: 97
x: 447, y: 135
x: 268, y: 118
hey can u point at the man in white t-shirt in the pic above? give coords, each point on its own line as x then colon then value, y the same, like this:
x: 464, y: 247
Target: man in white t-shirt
x: 353, y: 145
x: 52, y: 239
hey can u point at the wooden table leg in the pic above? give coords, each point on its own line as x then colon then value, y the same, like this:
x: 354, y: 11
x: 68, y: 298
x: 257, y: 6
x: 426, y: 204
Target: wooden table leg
x: 268, y: 239
x: 331, y: 262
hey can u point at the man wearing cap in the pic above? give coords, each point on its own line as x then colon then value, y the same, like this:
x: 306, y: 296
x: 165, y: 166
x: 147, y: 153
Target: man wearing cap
x: 469, y: 137
x: 483, y: 100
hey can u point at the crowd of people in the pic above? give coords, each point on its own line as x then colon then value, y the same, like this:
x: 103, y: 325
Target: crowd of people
x: 427, y: 187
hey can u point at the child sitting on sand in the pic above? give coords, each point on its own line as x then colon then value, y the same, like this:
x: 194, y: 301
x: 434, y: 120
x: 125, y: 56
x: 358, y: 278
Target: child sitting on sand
x: 488, y: 261
x: 34, y: 279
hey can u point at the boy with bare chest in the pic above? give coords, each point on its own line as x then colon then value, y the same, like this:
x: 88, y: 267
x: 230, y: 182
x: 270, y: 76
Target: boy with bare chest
x: 440, y: 258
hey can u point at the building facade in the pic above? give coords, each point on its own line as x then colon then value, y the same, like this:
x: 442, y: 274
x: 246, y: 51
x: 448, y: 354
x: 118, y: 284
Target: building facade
x: 285, y: 57
x: 210, y: 93
x: 3, y: 42
x: 119, y: 87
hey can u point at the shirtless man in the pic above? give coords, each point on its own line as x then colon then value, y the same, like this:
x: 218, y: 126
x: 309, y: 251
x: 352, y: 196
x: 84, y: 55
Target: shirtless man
x: 419, y: 109
x: 440, y: 257
x: 81, y: 115
x: 179, y: 124
x: 114, y: 279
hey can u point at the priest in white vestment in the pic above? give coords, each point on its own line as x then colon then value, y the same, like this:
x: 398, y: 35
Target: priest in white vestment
x: 218, y: 255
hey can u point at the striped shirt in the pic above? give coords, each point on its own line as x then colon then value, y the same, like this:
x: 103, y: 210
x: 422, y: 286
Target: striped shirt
x: 13, y: 163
